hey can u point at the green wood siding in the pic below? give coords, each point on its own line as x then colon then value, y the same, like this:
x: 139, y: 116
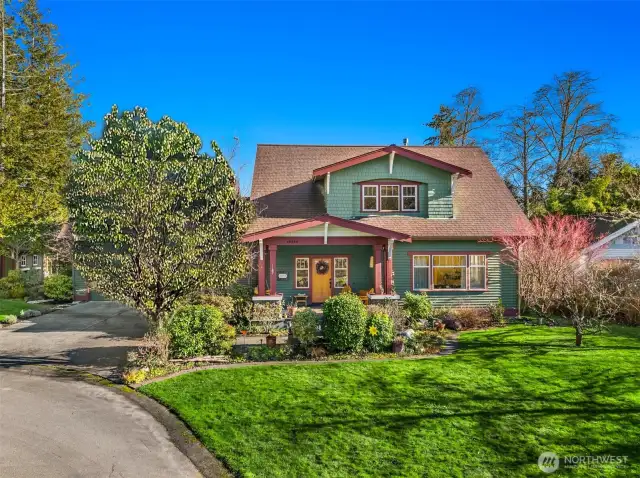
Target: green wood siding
x: 360, y: 274
x: 435, y: 198
x: 501, y: 283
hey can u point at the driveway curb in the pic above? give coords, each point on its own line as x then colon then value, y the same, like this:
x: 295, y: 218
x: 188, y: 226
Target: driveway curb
x: 180, y: 435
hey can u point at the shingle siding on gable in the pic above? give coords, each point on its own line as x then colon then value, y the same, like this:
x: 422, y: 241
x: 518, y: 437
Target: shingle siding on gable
x: 435, y: 199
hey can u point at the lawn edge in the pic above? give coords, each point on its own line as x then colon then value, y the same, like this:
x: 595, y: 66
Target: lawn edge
x: 449, y: 348
x: 179, y: 433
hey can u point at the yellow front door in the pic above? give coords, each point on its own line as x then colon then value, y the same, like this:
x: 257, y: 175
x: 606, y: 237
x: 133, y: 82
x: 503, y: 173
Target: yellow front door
x: 320, y: 283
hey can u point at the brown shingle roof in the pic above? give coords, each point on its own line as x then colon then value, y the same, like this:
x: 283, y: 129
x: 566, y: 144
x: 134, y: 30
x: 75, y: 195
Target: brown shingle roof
x: 483, y: 206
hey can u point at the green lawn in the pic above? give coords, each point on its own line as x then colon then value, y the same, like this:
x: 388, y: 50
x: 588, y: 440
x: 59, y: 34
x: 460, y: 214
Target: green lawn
x: 488, y: 411
x: 16, y: 306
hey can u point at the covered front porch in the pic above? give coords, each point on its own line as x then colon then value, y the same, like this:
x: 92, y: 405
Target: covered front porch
x: 319, y: 257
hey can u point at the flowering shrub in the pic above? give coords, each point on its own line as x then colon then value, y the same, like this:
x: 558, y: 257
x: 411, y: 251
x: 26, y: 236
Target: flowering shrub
x: 345, y: 319
x: 379, y: 332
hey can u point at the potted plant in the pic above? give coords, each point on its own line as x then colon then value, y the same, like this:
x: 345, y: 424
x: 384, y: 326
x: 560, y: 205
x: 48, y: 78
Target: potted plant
x: 398, y: 345
x: 271, y: 339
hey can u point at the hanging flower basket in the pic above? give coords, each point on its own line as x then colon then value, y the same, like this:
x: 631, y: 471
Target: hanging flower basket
x: 322, y: 267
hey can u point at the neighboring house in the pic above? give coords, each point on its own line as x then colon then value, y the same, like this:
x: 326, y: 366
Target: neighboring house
x: 389, y: 218
x: 618, y: 240
x: 35, y: 263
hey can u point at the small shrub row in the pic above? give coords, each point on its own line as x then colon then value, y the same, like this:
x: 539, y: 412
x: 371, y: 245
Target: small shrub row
x: 8, y: 319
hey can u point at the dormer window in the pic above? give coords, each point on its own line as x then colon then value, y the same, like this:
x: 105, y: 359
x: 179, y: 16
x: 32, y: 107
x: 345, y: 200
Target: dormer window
x: 385, y: 197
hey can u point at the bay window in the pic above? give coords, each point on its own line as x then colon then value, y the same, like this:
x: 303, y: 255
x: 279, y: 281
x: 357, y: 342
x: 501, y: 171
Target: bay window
x: 302, y: 273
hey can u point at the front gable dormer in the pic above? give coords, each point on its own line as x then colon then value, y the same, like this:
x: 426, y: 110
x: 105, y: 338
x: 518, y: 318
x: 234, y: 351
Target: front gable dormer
x: 389, y: 181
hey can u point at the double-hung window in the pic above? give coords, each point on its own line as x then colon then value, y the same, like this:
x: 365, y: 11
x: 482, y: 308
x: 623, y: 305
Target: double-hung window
x: 477, y: 272
x: 340, y: 272
x: 449, y: 271
x: 410, y: 198
x: 36, y: 260
x: 23, y: 261
x: 421, y: 272
x: 302, y: 273
x: 370, y: 198
x: 389, y: 198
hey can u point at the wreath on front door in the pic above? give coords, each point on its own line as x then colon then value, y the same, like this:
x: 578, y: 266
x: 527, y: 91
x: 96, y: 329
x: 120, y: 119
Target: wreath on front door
x: 322, y: 267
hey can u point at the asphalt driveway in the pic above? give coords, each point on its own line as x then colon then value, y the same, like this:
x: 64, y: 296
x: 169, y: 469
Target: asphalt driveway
x: 95, y: 336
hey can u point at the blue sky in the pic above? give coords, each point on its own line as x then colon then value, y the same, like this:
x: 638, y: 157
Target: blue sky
x: 340, y: 73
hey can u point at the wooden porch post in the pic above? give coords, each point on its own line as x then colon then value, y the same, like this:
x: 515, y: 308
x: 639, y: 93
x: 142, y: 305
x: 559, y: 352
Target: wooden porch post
x: 389, y: 268
x: 377, y: 271
x: 261, y: 269
x: 272, y: 269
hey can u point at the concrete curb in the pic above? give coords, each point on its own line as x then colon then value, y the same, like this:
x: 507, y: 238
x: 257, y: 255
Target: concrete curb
x: 180, y: 435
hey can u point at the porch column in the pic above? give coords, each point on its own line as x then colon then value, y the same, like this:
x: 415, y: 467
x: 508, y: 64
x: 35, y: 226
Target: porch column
x: 389, y: 268
x: 261, y: 269
x: 272, y: 269
x: 377, y: 271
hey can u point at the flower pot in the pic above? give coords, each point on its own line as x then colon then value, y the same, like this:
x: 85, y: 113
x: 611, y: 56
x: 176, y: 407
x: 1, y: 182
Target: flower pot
x: 271, y: 341
x: 398, y: 346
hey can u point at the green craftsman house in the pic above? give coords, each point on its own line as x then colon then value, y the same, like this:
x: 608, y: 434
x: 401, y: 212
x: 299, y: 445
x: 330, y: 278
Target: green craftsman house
x: 385, y: 220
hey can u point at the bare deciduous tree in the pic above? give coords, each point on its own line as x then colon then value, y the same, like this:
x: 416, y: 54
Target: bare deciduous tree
x: 456, y: 125
x: 522, y: 154
x: 572, y: 122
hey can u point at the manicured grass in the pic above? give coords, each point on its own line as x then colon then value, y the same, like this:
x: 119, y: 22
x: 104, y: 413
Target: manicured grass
x: 16, y: 306
x: 488, y: 411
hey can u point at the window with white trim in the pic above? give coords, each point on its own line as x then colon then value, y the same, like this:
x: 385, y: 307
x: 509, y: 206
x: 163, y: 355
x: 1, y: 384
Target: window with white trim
x: 302, y: 272
x: 389, y: 198
x: 340, y: 272
x: 449, y: 272
x: 23, y: 261
x: 477, y: 272
x: 369, y: 198
x: 410, y: 198
x: 36, y: 260
x: 421, y: 273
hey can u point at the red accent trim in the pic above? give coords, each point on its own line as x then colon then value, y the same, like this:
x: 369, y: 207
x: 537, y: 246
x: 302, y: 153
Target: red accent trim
x: 262, y: 289
x: 272, y: 267
x: 318, y: 220
x: 450, y: 253
x: 400, y: 197
x: 436, y: 163
x: 386, y: 182
x: 319, y: 241
x: 377, y: 269
x: 389, y: 273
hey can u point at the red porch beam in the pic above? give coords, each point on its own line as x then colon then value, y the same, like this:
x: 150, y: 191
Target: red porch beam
x: 272, y: 268
x: 389, y: 269
x: 319, y: 241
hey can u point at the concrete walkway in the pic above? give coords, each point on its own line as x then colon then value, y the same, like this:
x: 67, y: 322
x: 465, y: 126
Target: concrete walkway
x: 95, y: 336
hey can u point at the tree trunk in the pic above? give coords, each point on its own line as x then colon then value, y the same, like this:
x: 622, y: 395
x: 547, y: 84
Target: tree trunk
x: 578, y: 336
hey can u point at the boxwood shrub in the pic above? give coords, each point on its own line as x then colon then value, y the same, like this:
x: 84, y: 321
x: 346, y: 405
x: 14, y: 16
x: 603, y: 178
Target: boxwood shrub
x: 305, y: 326
x: 345, y: 319
x: 58, y: 287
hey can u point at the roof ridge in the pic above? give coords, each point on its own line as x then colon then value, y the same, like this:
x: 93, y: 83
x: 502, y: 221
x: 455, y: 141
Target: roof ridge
x: 368, y: 146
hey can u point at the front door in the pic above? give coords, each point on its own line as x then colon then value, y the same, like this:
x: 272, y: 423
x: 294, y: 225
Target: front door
x: 320, y: 279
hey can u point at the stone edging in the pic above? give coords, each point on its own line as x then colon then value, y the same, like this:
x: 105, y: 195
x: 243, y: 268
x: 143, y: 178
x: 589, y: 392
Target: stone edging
x: 450, y: 347
x: 179, y: 434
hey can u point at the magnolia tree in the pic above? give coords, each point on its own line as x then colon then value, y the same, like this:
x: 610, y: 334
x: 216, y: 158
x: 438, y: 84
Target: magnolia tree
x: 155, y: 218
x: 559, y: 274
